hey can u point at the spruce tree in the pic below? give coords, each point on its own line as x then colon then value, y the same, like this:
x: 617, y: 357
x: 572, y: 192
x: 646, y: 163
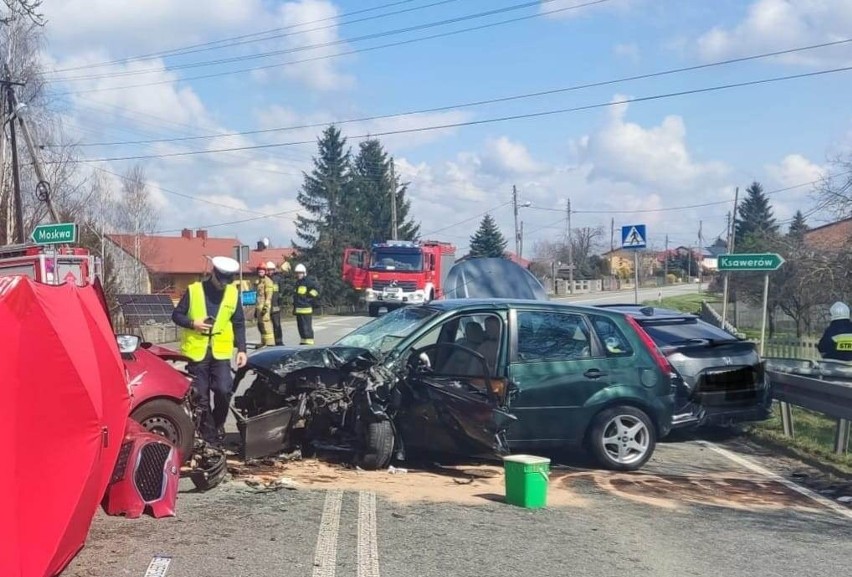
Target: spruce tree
x: 798, y: 227
x: 326, y: 229
x: 756, y: 223
x: 488, y: 241
x: 376, y: 184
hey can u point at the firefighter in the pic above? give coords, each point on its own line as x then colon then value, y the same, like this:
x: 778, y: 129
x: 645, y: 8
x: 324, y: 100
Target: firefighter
x: 277, y: 279
x: 305, y: 296
x: 213, y: 323
x: 263, y: 309
x: 836, y: 341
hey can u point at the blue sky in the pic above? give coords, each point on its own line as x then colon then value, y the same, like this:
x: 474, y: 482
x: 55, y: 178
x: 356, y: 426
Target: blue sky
x: 656, y: 155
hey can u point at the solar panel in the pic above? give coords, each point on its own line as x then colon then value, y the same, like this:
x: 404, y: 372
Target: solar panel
x: 139, y: 310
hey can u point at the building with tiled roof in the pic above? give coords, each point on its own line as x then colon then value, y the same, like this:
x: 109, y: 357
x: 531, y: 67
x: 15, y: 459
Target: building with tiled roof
x: 833, y: 236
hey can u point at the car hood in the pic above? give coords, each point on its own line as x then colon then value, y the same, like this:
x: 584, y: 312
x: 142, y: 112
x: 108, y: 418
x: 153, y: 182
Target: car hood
x: 284, y: 360
x: 492, y: 278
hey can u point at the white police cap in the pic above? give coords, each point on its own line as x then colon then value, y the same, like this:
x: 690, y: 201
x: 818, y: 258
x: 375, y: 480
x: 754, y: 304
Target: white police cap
x: 225, y: 264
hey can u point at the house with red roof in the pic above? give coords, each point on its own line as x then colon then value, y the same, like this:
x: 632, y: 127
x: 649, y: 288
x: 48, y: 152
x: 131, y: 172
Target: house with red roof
x: 146, y: 264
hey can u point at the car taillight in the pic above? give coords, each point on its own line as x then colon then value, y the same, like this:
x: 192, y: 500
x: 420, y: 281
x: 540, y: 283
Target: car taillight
x: 659, y: 358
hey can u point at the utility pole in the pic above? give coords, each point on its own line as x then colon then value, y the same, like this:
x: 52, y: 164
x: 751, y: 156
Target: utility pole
x: 16, y: 177
x: 700, y: 250
x: 570, y: 251
x: 732, y: 224
x: 666, y: 263
x: 521, y: 250
x: 612, y: 253
x: 4, y: 199
x: 394, y: 224
x: 515, y: 207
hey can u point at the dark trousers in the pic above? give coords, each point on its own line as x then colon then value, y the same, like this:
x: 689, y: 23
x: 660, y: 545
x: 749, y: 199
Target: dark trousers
x: 211, y: 377
x: 276, y: 326
x: 306, y: 329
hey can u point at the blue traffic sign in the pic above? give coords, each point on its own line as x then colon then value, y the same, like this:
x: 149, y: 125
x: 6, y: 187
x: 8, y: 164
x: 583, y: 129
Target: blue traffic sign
x: 633, y: 236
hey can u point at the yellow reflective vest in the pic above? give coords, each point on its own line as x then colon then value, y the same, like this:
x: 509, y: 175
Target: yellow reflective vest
x: 221, y: 342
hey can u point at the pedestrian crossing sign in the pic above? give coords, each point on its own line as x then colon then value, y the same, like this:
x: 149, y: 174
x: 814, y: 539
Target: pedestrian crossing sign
x: 633, y: 236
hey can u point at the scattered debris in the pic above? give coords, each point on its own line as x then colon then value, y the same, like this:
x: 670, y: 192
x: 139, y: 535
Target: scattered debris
x: 845, y: 499
x: 397, y: 471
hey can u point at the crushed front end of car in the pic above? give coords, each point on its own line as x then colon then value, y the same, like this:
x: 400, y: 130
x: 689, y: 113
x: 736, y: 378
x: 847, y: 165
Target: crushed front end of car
x: 317, y: 398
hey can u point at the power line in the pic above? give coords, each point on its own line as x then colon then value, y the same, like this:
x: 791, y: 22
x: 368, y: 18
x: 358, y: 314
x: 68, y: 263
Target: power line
x: 307, y: 47
x: 261, y: 36
x: 241, y: 221
x: 339, y: 54
x: 481, y: 214
x: 484, y: 102
x: 491, y: 120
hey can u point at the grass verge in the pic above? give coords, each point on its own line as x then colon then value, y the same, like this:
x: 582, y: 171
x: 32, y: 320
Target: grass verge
x: 688, y: 303
x: 813, y: 440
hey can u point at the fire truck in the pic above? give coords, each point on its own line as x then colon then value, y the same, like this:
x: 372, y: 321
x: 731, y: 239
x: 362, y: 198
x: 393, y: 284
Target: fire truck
x: 49, y: 266
x: 396, y: 273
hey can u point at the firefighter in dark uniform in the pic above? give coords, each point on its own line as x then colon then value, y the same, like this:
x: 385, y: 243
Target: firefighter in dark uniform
x: 276, y: 278
x: 836, y: 341
x: 213, y: 323
x: 305, y: 296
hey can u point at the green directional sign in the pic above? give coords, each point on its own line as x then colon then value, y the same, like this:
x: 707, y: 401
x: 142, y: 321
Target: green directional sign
x: 758, y: 261
x: 64, y: 233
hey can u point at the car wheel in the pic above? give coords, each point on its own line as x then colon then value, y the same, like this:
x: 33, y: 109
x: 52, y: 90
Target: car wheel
x: 374, y: 310
x: 376, y: 445
x: 168, y: 419
x: 622, y: 438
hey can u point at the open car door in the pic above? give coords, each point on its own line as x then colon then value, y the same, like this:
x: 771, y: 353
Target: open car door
x: 453, y: 413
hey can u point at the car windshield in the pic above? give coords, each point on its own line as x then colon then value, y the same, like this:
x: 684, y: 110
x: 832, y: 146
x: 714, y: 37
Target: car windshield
x: 384, y: 259
x: 680, y: 332
x: 383, y: 334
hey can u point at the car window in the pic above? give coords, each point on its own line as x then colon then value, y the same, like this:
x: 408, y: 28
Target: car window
x: 668, y: 333
x: 614, y: 342
x: 551, y: 336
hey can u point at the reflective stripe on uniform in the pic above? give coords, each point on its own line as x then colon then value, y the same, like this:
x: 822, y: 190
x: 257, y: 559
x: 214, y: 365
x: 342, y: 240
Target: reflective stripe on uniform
x: 193, y: 343
x: 301, y: 290
x: 306, y: 342
x: 305, y: 311
x: 314, y: 293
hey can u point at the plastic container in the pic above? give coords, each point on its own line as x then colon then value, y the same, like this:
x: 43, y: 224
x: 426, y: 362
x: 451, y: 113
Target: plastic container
x: 526, y: 480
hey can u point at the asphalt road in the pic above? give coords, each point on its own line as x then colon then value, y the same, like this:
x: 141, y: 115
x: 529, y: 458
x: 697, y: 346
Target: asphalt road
x: 699, y: 507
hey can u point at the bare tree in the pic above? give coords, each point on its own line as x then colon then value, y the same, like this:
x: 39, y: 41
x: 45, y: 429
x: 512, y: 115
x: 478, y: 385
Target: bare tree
x: 586, y: 243
x: 835, y: 193
x: 23, y: 10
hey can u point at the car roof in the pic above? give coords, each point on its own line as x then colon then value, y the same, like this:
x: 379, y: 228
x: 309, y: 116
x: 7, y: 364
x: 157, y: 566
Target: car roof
x: 503, y: 304
x: 648, y: 312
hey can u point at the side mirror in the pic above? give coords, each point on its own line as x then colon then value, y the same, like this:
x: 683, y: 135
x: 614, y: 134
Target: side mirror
x: 128, y: 344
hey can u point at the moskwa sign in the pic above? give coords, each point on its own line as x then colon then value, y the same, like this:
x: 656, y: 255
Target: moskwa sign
x: 64, y: 233
x: 759, y: 262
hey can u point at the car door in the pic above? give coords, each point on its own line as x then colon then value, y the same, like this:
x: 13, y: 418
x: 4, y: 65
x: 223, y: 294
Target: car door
x: 555, y: 366
x: 453, y: 393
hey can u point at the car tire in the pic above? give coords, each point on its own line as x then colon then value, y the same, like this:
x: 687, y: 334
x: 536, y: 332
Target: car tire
x: 376, y: 445
x: 168, y: 419
x: 622, y: 438
x: 374, y: 310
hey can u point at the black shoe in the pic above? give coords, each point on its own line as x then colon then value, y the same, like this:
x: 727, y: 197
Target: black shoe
x: 220, y: 434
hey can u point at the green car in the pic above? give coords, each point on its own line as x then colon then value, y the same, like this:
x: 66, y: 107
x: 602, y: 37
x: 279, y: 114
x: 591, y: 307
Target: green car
x: 571, y: 376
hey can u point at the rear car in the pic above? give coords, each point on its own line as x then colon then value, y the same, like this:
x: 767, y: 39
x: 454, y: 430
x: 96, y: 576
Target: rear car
x: 724, y: 380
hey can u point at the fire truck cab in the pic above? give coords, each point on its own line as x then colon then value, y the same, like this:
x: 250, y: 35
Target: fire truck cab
x: 40, y: 263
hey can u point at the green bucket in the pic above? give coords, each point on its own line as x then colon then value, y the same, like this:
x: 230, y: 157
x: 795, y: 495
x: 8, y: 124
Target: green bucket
x: 526, y: 480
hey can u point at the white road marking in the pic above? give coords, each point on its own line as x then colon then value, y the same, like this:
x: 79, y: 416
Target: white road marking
x: 158, y: 567
x: 748, y: 464
x: 325, y: 556
x: 368, y: 546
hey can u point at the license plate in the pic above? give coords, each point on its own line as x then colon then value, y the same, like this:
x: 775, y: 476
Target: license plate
x: 736, y: 380
x: 393, y: 290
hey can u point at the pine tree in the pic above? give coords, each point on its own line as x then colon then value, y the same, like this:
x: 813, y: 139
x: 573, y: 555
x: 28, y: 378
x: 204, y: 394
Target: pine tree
x: 798, y: 226
x: 375, y: 183
x: 756, y: 223
x: 326, y: 196
x: 488, y: 241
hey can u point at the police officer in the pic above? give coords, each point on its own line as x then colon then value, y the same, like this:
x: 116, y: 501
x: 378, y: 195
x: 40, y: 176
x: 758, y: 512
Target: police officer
x: 263, y: 309
x: 305, y: 297
x: 213, y: 323
x: 277, y: 279
x: 836, y: 341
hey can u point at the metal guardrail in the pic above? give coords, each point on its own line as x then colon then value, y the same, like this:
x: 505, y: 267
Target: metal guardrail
x: 821, y: 386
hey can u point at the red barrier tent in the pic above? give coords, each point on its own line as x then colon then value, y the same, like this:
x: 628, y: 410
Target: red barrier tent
x: 62, y: 418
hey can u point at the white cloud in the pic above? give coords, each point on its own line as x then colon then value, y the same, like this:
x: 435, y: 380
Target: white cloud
x: 628, y: 51
x: 656, y: 157
x: 779, y: 24
x: 503, y: 156
x: 794, y: 170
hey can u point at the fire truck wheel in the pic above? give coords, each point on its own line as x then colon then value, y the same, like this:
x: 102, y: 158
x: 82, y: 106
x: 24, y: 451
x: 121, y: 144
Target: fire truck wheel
x: 168, y: 419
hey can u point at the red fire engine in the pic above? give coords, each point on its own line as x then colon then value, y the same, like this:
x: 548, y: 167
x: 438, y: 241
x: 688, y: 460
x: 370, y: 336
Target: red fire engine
x: 44, y: 265
x: 397, y: 272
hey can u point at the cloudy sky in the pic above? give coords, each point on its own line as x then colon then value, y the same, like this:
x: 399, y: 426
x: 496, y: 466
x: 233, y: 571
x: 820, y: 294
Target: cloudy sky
x: 162, y: 78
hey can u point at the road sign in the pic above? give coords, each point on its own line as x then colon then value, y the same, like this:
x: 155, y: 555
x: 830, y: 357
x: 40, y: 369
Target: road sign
x: 64, y: 233
x: 633, y: 236
x: 757, y: 261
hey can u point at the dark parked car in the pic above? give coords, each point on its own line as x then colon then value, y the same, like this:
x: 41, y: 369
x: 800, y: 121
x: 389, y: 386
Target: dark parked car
x: 724, y: 378
x: 468, y: 376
